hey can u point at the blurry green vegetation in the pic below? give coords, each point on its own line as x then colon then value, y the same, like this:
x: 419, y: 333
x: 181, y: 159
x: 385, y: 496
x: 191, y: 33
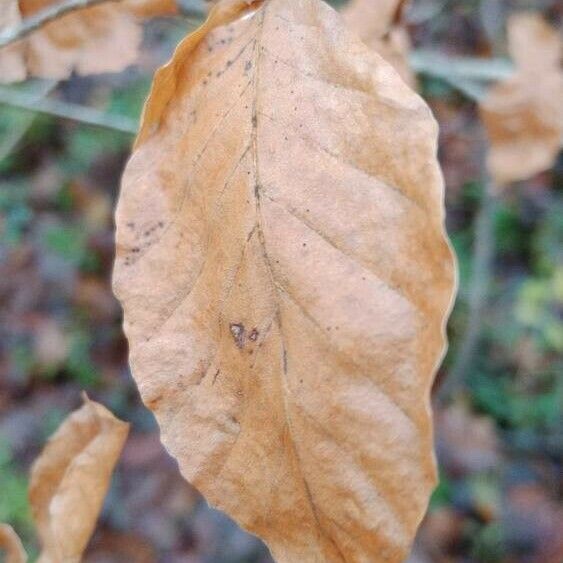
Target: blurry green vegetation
x: 14, y: 505
x: 518, y: 378
x: 73, y: 150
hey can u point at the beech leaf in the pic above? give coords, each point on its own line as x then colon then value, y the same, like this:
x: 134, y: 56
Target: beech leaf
x: 285, y: 277
x: 523, y: 115
x: 12, y: 66
x: 91, y: 40
x: 12, y: 545
x: 379, y: 23
x: 70, y: 479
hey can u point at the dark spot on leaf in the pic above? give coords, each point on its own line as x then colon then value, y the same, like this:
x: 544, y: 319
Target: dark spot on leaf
x: 238, y: 333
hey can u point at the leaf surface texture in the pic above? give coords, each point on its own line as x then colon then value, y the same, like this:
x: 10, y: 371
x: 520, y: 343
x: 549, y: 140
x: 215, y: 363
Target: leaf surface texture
x: 285, y: 276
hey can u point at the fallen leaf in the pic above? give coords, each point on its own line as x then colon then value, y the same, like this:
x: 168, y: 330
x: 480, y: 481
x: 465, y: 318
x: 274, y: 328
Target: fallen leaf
x: 12, y: 545
x: 457, y: 425
x: 92, y: 40
x: 12, y: 66
x: 285, y: 276
x: 379, y: 25
x: 70, y: 479
x: 523, y: 115
x: 152, y: 8
x: 533, y: 44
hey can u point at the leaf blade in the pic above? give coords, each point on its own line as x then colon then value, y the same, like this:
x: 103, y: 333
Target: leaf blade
x: 257, y: 316
x: 70, y: 478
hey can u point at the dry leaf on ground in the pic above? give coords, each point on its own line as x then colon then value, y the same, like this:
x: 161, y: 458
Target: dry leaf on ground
x: 12, y: 545
x: 102, y: 38
x: 379, y: 25
x: 457, y: 425
x: 12, y: 65
x: 70, y: 479
x: 524, y: 115
x: 285, y: 276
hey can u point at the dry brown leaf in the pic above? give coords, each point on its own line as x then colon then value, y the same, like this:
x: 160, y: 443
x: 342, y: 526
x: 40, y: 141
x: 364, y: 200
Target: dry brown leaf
x: 459, y: 425
x: 285, y: 275
x: 12, y: 545
x: 12, y: 66
x: 379, y: 25
x: 102, y: 38
x: 152, y: 8
x: 533, y: 44
x: 70, y: 479
x: 523, y: 115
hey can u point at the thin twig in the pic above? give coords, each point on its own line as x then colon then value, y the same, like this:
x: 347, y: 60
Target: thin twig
x: 481, y: 276
x: 31, y: 24
x: 16, y: 134
x: 66, y: 110
x: 194, y: 13
x: 469, y: 75
x: 469, y: 68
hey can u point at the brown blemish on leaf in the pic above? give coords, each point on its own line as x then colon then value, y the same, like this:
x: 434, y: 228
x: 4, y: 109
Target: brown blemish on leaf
x: 238, y: 334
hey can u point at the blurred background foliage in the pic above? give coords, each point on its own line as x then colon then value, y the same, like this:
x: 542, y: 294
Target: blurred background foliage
x: 499, y: 442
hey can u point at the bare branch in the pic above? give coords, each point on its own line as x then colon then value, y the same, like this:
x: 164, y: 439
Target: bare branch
x: 67, y: 111
x: 194, y: 11
x: 43, y: 17
x: 479, y: 287
x: 16, y: 134
x: 469, y: 75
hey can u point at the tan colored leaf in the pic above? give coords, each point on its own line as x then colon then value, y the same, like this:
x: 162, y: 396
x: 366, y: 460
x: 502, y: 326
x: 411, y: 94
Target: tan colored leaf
x: 12, y: 545
x: 533, y: 44
x: 12, y: 67
x: 70, y: 479
x: 371, y: 19
x: 152, y: 8
x: 523, y: 115
x: 285, y: 275
x: 524, y: 120
x: 102, y: 38
x: 379, y: 25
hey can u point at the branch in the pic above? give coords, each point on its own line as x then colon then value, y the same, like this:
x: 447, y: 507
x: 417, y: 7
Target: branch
x: 470, y: 68
x: 466, y: 74
x: 31, y: 24
x: 66, y: 110
x: 16, y: 134
x: 481, y: 275
x: 193, y: 10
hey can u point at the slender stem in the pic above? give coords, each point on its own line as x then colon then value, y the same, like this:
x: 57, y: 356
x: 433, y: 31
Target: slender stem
x: 15, y: 135
x: 68, y: 111
x: 469, y: 68
x: 34, y: 22
x: 195, y: 14
x: 481, y: 277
